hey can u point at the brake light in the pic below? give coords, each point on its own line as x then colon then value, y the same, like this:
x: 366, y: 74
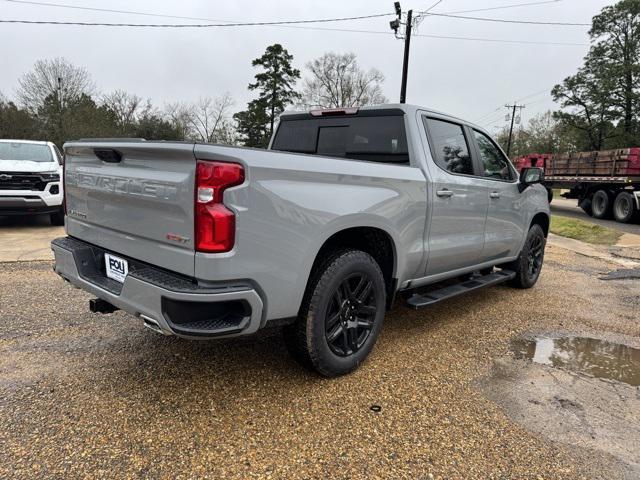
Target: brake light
x: 328, y: 112
x: 215, y: 224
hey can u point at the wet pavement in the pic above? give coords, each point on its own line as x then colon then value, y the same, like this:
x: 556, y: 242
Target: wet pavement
x: 90, y: 396
x: 592, y: 356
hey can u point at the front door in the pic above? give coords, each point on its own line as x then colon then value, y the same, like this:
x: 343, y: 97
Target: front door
x: 458, y: 198
x: 504, y: 230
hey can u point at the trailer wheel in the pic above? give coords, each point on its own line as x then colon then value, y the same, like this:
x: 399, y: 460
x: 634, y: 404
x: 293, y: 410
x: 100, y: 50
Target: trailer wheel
x: 585, y: 205
x: 601, y: 204
x: 624, y: 208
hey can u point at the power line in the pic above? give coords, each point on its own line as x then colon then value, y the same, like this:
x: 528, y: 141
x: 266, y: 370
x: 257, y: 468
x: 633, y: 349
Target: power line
x: 347, y: 30
x: 433, y: 6
x: 361, y: 17
x: 182, y: 17
x: 160, y: 15
x: 531, y: 95
x: 257, y: 24
x: 218, y: 23
x: 503, y: 7
x: 190, y: 25
x: 109, y: 10
x: 502, y: 20
x: 520, y: 42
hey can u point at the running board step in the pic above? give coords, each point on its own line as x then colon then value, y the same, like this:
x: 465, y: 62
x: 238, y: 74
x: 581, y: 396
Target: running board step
x: 424, y: 300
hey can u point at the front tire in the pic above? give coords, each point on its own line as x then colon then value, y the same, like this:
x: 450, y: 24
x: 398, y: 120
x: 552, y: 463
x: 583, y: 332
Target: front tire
x: 57, y: 218
x: 529, y: 263
x: 341, y: 314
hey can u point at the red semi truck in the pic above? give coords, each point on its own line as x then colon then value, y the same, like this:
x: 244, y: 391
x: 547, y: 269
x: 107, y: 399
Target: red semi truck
x: 605, y: 183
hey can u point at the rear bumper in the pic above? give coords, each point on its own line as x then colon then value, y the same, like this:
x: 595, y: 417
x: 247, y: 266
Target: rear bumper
x: 175, y: 304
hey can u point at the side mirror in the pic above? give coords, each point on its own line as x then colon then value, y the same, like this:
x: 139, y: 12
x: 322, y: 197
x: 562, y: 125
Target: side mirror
x: 530, y: 176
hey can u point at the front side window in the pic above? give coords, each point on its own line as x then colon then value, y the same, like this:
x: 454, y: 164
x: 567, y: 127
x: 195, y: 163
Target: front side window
x: 494, y: 163
x: 450, y: 148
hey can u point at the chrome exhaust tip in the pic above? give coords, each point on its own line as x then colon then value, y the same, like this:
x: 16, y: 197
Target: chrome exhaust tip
x: 152, y: 324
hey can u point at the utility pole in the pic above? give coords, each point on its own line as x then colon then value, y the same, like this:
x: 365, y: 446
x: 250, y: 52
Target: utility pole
x: 405, y: 63
x: 513, y: 117
x: 395, y: 26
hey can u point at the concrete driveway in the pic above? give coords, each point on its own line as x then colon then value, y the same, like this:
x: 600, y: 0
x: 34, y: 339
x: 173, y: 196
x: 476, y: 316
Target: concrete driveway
x: 27, y: 238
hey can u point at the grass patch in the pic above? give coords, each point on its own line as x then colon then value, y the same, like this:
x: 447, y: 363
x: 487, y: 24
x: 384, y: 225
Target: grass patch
x: 584, y: 231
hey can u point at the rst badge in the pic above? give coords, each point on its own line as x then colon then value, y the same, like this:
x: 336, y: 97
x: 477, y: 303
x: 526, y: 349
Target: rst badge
x: 117, y: 268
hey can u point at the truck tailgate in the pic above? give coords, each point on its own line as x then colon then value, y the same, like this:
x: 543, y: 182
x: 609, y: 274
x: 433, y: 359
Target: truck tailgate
x: 133, y: 198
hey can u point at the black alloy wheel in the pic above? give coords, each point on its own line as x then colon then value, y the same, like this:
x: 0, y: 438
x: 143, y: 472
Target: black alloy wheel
x: 341, y: 313
x: 535, y: 255
x: 350, y: 315
x: 528, y: 265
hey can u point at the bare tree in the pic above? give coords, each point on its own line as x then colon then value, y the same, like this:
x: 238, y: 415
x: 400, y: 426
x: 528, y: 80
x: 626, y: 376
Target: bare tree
x: 210, y: 119
x: 337, y: 81
x: 124, y: 105
x: 56, y: 77
x: 179, y: 115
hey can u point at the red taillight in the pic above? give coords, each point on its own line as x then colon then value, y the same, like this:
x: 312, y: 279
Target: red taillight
x: 215, y: 224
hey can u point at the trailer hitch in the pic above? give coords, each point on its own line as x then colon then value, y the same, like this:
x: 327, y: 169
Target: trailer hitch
x: 97, y: 305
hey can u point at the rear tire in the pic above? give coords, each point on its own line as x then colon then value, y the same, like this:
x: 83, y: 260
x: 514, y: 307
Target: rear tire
x: 529, y: 263
x: 601, y: 205
x: 341, y: 314
x: 57, y: 218
x: 624, y: 208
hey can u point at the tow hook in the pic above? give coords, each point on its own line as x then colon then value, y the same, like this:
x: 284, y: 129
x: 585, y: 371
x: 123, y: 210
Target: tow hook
x: 97, y: 305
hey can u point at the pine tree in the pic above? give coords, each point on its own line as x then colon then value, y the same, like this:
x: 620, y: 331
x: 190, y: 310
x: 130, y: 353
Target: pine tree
x: 275, y: 87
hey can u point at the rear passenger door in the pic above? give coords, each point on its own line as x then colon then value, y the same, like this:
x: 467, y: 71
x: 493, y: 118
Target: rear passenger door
x: 505, y: 217
x: 458, y: 197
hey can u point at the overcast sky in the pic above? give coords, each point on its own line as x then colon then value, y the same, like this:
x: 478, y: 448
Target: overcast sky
x: 472, y: 79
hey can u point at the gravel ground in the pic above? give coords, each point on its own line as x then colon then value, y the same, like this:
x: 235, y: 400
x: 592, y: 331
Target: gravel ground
x: 84, y: 396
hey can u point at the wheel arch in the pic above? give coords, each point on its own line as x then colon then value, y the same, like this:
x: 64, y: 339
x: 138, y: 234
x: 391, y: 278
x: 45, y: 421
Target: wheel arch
x: 542, y: 219
x: 372, y: 240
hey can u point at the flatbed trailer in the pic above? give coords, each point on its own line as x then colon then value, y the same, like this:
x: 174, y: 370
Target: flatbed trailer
x: 597, y: 180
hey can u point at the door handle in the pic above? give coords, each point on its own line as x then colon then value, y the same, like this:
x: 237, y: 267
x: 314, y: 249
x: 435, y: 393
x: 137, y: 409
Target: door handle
x: 494, y: 195
x: 444, y: 193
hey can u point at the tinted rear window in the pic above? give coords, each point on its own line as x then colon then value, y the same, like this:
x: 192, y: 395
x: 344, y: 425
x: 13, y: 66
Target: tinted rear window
x: 25, y: 151
x: 376, y: 139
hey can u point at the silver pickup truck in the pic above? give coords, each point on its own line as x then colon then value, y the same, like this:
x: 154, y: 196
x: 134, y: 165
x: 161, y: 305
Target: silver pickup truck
x: 346, y: 210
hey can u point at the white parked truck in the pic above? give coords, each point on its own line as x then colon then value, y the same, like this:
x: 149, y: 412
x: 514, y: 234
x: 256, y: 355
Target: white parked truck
x: 31, y: 179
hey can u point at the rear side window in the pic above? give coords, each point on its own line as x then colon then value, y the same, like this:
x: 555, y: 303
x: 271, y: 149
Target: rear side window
x: 450, y: 148
x: 371, y: 138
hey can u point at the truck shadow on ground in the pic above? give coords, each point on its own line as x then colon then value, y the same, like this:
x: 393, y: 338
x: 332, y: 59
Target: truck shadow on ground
x: 25, y: 220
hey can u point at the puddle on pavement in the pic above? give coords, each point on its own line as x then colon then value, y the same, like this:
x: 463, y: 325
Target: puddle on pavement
x: 595, y: 357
